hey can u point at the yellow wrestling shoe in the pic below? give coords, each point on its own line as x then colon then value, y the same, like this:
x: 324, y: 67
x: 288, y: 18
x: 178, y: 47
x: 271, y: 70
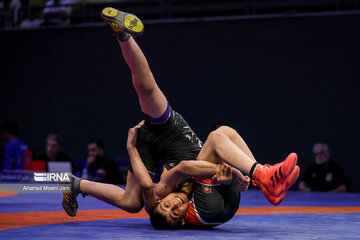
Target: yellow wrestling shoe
x: 69, y: 202
x: 123, y: 24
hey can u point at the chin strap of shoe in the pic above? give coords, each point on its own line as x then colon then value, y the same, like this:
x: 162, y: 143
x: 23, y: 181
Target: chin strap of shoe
x: 122, y: 36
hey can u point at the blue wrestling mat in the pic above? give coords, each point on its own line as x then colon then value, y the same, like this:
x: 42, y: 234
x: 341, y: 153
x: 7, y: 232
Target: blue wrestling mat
x: 300, y: 216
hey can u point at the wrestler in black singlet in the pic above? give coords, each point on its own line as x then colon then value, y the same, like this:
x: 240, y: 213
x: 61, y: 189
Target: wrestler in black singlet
x: 168, y: 138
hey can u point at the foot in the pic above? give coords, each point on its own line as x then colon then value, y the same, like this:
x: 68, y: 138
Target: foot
x: 69, y: 202
x: 123, y: 24
x: 273, y: 178
x: 291, y: 179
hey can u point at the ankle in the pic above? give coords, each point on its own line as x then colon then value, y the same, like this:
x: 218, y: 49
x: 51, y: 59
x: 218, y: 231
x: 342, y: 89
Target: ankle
x: 253, y: 170
x: 77, y: 184
x: 122, y: 36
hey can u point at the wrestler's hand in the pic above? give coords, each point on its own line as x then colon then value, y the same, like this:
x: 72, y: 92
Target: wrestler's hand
x: 240, y: 182
x: 132, y: 135
x: 223, y: 174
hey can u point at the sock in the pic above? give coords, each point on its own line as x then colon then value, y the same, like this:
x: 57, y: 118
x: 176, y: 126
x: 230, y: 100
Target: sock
x: 76, y: 184
x: 122, y: 36
x: 252, y: 170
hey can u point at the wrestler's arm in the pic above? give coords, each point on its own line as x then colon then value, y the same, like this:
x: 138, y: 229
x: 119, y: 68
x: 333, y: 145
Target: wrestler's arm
x: 229, y: 175
x: 183, y: 170
x: 140, y: 172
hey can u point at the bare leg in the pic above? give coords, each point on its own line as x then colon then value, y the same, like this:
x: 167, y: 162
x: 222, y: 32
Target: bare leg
x: 237, y: 140
x: 129, y: 199
x: 224, y: 145
x: 220, y: 148
x: 152, y: 101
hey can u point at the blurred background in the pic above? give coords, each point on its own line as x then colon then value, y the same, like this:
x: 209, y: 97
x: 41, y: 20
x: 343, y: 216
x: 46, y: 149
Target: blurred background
x: 284, y: 73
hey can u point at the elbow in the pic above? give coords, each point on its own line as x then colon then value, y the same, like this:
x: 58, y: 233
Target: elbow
x: 185, y: 167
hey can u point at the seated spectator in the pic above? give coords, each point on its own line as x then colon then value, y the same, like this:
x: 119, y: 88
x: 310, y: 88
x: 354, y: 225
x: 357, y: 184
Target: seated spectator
x: 100, y: 168
x: 9, y: 13
x: 54, y: 151
x: 57, y: 12
x: 14, y: 147
x: 323, y: 175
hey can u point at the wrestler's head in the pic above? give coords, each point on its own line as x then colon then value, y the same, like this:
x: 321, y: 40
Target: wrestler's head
x: 169, y: 212
x: 321, y: 153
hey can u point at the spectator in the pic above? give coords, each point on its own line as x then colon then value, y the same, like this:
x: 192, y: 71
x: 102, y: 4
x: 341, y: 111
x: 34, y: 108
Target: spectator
x: 54, y: 151
x: 9, y: 13
x: 57, y: 12
x: 323, y: 174
x: 14, y: 147
x: 100, y: 168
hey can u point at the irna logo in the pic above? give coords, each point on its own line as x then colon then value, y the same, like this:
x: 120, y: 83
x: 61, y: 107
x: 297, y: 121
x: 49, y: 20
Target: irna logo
x: 51, y: 177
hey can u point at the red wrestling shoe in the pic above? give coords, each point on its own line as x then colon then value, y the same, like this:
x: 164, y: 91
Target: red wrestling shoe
x: 271, y: 179
x: 291, y: 179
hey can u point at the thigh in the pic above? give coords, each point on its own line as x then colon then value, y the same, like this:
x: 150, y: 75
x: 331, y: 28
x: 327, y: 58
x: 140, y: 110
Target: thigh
x: 152, y: 102
x: 208, y: 153
x: 237, y: 140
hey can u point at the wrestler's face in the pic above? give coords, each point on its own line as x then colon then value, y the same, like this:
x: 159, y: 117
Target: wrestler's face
x: 174, y: 206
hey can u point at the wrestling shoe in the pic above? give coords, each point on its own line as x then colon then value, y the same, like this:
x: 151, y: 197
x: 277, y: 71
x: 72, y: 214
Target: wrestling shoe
x: 273, y: 178
x: 291, y: 179
x: 69, y: 202
x: 123, y: 24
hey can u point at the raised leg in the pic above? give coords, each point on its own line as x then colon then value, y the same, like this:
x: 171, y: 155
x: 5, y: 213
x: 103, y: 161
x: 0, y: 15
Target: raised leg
x: 227, y: 146
x: 152, y: 101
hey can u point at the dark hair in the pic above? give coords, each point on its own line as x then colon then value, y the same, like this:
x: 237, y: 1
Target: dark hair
x: 160, y: 222
x: 98, y: 143
x: 57, y: 138
x: 11, y: 127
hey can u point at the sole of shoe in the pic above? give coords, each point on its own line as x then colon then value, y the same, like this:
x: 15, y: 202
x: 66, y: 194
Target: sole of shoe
x: 122, y: 22
x: 68, y: 210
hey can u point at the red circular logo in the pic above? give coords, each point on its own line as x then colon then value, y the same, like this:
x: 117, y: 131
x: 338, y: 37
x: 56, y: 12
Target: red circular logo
x: 207, y: 189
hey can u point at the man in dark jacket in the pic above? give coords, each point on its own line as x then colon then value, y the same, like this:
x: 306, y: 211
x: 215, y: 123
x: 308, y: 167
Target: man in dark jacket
x: 100, y: 168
